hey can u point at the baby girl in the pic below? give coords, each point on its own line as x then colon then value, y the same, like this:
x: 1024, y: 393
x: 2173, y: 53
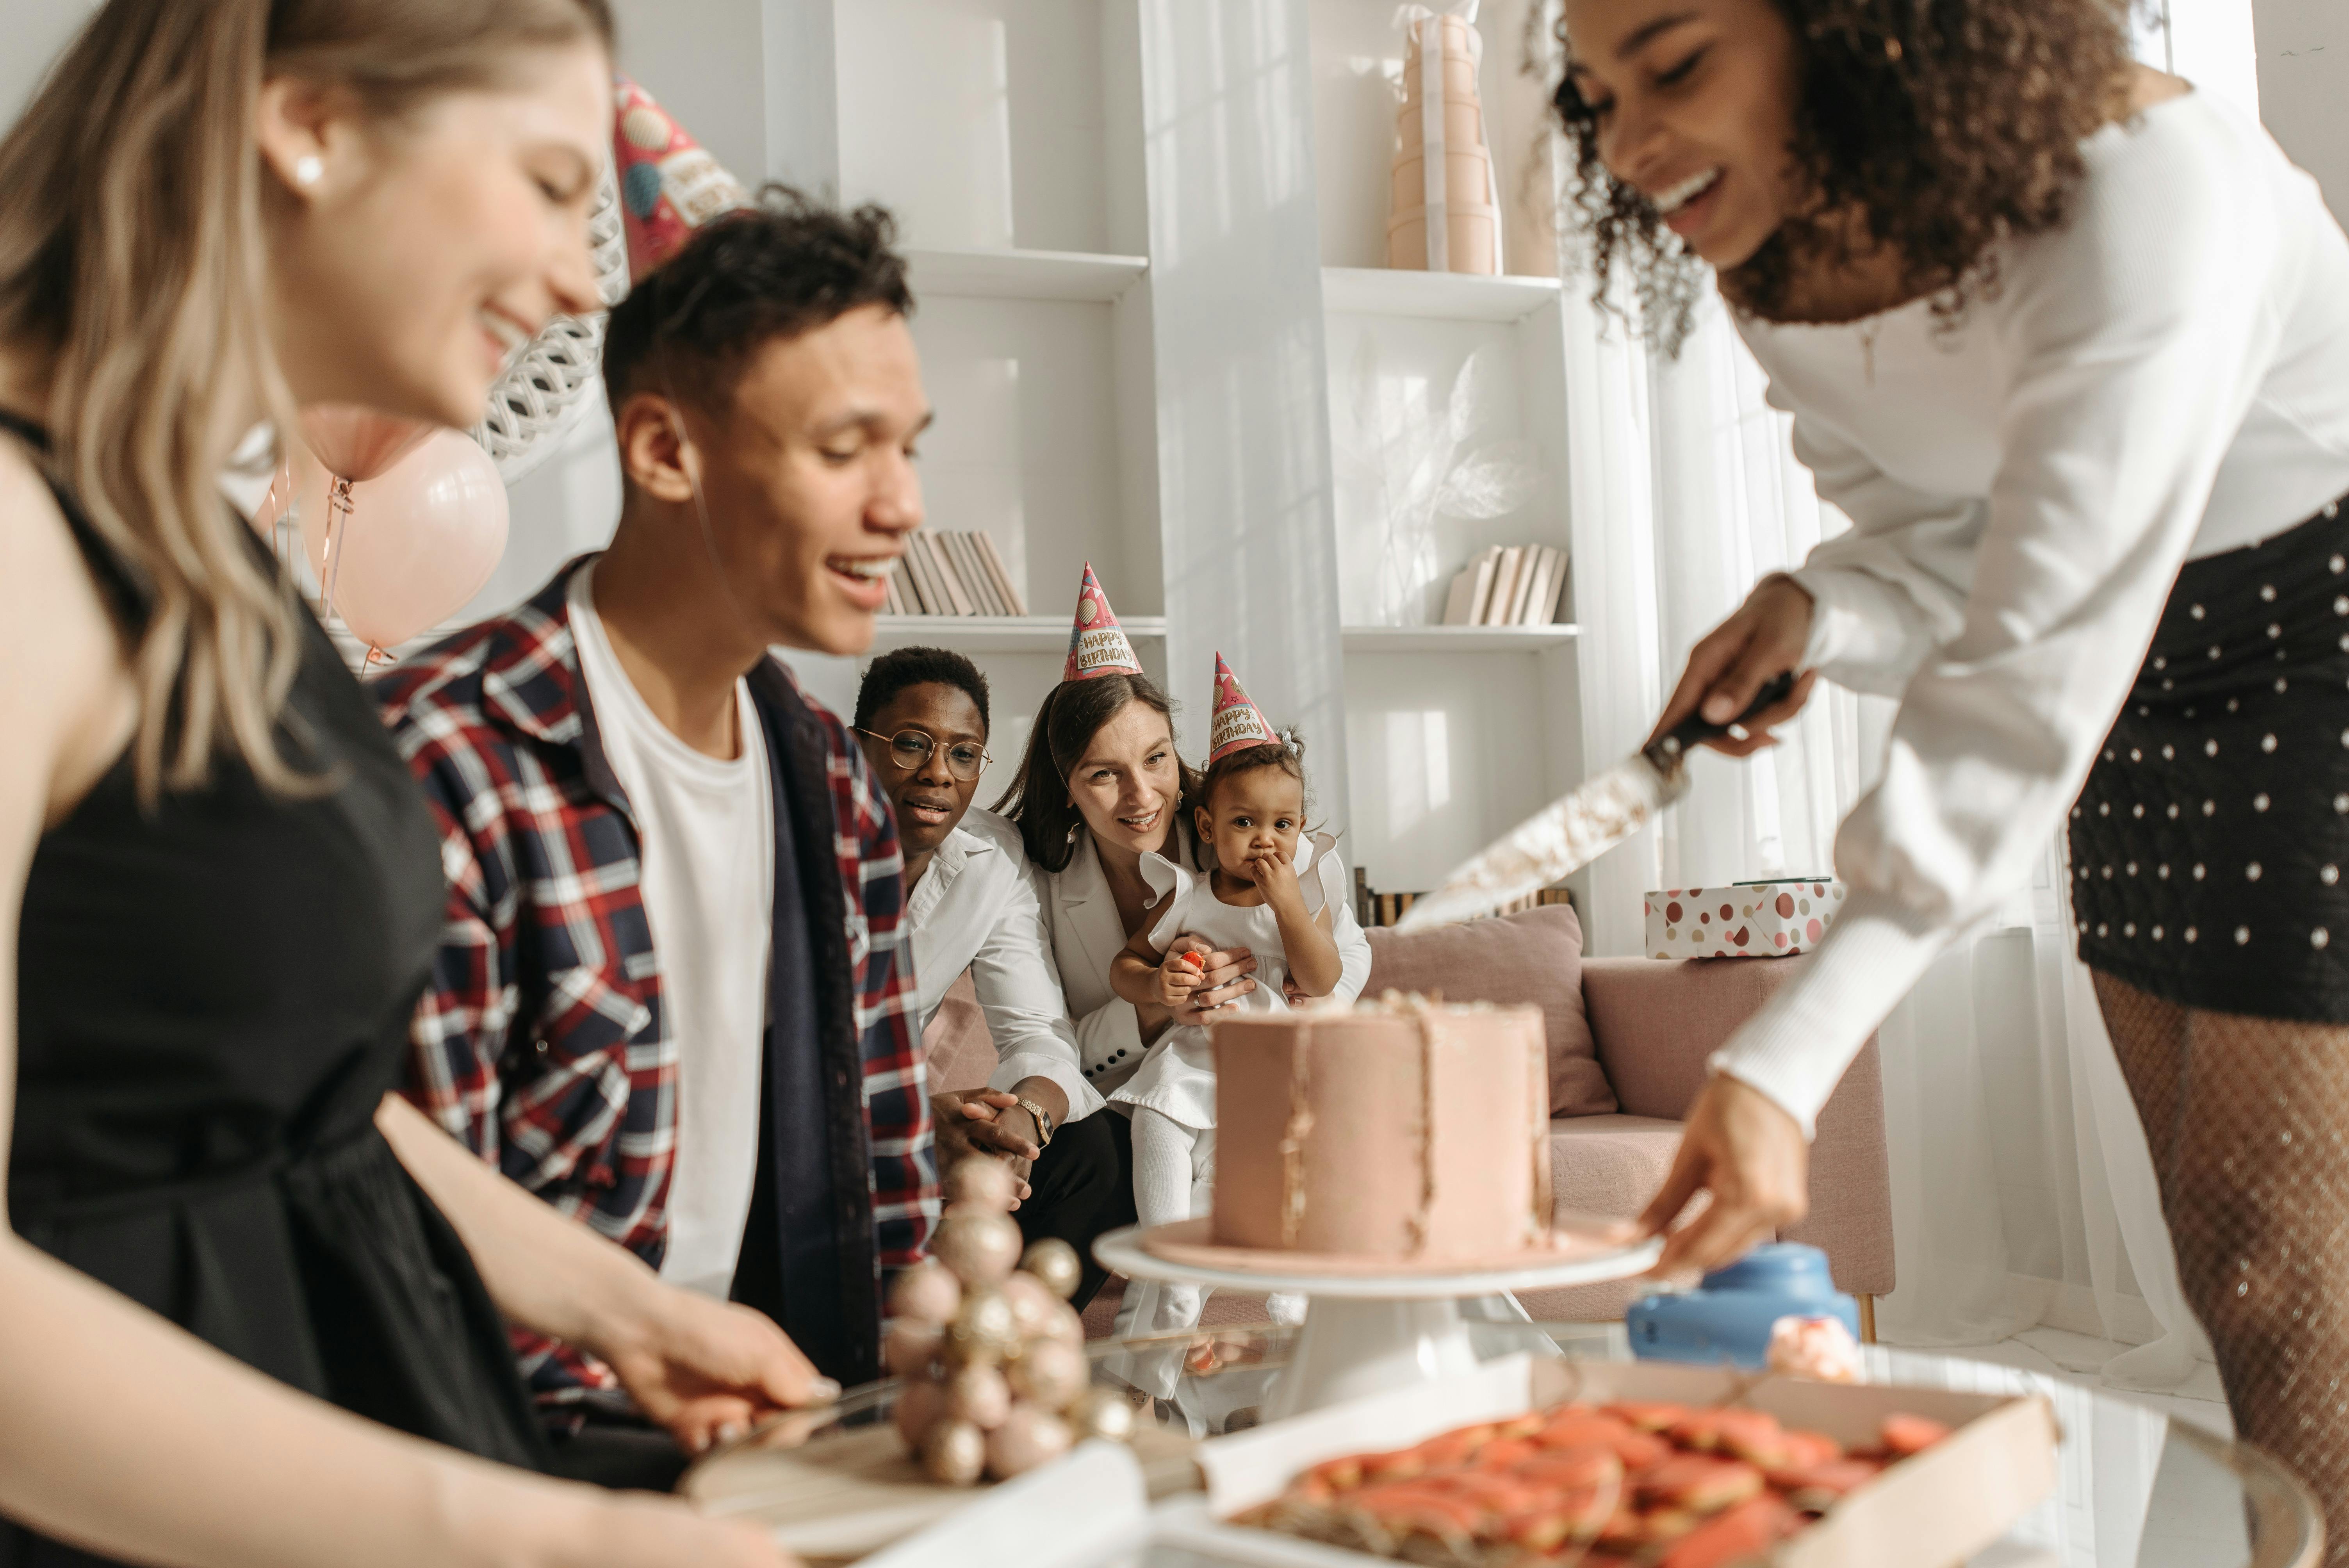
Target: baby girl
x: 1264, y: 884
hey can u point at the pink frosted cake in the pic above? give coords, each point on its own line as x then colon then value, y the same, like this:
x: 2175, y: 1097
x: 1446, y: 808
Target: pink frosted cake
x: 1403, y: 1129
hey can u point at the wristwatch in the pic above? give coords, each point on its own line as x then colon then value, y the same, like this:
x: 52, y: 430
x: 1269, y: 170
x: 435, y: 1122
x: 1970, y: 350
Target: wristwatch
x: 1043, y: 1119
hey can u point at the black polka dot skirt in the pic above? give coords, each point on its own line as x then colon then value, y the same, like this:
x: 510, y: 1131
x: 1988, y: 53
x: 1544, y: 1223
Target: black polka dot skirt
x: 2211, y: 845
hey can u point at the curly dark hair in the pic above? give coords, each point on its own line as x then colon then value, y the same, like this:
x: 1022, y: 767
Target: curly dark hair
x: 894, y: 671
x: 787, y: 265
x: 1287, y: 754
x: 1945, y: 126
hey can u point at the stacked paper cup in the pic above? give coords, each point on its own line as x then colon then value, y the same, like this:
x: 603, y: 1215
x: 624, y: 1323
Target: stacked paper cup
x: 1444, y: 213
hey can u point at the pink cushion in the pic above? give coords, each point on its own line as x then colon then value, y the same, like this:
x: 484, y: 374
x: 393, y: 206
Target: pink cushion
x: 1531, y: 958
x: 1610, y: 1165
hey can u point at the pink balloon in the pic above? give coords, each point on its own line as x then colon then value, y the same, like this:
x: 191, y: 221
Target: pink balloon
x: 416, y: 542
x: 358, y: 443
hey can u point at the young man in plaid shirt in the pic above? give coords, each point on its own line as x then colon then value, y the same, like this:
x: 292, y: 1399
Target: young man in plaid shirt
x: 675, y: 995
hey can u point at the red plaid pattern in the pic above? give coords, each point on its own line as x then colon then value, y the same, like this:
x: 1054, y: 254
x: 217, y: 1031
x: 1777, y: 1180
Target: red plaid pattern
x: 540, y: 1041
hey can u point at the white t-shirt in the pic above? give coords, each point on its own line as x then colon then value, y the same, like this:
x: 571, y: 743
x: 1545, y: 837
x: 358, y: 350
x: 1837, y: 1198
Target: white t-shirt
x: 707, y: 828
x: 2164, y: 378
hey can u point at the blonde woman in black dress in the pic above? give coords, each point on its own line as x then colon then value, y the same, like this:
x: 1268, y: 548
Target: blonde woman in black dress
x: 219, y: 888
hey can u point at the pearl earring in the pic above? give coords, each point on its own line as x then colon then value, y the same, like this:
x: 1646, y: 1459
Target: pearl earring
x: 308, y: 169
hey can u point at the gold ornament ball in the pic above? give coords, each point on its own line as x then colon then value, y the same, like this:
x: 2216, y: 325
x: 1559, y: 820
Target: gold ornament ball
x: 1052, y: 1374
x: 954, y: 1452
x: 1055, y: 1265
x: 1032, y: 1305
x: 979, y: 1395
x: 977, y: 1245
x: 1029, y: 1437
x: 982, y: 1182
x: 1065, y: 1325
x: 985, y: 1332
x: 912, y: 1345
x: 1102, y: 1413
x: 926, y: 1293
x: 920, y: 1403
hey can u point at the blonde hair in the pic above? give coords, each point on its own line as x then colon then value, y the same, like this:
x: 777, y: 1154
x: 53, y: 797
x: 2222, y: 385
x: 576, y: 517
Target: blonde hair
x: 132, y: 268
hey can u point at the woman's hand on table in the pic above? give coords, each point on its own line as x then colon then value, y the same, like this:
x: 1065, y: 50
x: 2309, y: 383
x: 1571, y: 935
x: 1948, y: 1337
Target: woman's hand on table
x: 985, y: 1121
x: 1764, y: 638
x: 704, y: 1369
x: 1750, y: 1157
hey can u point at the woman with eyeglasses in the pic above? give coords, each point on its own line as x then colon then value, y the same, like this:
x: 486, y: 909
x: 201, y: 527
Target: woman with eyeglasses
x: 971, y: 905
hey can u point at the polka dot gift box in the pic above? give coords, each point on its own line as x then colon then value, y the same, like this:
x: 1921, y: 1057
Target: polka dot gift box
x: 1742, y: 920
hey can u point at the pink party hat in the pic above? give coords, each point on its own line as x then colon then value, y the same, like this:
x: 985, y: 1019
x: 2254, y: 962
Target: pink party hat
x: 669, y: 185
x: 1239, y: 724
x: 1097, y: 645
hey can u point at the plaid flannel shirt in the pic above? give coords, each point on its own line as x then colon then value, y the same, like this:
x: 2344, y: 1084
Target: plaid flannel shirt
x: 540, y: 1042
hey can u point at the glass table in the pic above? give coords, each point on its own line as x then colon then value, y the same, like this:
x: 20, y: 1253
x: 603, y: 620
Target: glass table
x: 2137, y: 1489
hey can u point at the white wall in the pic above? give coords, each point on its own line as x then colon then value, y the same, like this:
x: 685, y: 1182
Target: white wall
x: 33, y: 33
x: 2304, y: 72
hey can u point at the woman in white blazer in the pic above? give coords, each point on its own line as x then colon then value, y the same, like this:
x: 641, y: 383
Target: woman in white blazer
x: 1101, y: 794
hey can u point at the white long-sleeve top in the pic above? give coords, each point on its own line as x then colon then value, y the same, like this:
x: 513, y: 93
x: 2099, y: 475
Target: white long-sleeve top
x: 2166, y: 376
x: 976, y: 909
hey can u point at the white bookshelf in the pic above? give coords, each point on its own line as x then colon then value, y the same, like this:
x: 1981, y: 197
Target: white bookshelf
x: 1002, y: 634
x: 1024, y: 275
x: 1459, y: 639
x: 1147, y: 251
x: 1455, y: 732
x: 1439, y: 296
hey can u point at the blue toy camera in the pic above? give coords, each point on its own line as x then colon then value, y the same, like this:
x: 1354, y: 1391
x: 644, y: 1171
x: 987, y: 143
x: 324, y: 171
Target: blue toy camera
x: 1728, y: 1317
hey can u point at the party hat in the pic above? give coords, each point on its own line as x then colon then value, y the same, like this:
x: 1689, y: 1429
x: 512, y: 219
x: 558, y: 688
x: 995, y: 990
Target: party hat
x: 1239, y: 724
x: 669, y: 185
x: 1097, y: 645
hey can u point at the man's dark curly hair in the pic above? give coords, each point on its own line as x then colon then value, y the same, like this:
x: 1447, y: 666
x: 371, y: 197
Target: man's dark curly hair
x: 786, y: 265
x: 894, y: 671
x: 1949, y: 125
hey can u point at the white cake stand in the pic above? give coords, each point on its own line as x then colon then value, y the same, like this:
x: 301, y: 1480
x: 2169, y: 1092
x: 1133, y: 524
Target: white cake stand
x: 1366, y: 1333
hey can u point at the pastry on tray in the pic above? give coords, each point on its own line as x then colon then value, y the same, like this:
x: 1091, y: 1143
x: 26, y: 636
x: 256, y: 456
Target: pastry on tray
x: 1665, y: 1485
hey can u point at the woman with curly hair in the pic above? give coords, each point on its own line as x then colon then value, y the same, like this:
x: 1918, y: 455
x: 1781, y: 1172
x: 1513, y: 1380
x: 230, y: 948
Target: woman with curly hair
x: 2068, y: 341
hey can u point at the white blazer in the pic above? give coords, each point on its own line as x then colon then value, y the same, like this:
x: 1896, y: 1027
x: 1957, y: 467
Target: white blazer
x: 1087, y: 935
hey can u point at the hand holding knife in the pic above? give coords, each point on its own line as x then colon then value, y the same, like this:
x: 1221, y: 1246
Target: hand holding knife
x: 1582, y: 825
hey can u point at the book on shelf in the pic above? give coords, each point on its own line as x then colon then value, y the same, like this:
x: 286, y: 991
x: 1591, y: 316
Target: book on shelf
x: 1375, y: 909
x: 956, y: 566
x: 1543, y: 583
x: 964, y: 549
x: 946, y: 572
x: 1520, y: 585
x: 1471, y: 592
x: 1505, y: 585
x: 942, y: 571
x: 974, y: 564
x: 1546, y: 612
x: 1012, y: 597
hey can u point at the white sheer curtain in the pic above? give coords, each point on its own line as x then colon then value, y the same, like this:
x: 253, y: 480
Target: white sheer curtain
x: 2021, y: 1185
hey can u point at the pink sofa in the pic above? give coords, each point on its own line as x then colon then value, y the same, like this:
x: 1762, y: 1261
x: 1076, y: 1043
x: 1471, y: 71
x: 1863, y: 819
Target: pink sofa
x: 1648, y: 1025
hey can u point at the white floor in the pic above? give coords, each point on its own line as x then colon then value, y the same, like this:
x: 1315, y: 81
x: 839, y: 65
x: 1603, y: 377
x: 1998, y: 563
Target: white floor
x: 2194, y: 1521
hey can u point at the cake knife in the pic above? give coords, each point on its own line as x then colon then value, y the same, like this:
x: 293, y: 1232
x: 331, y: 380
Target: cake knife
x: 1580, y: 826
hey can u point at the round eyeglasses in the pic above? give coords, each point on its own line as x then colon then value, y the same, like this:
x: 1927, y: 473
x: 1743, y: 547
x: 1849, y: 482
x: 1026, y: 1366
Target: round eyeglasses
x: 910, y: 749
